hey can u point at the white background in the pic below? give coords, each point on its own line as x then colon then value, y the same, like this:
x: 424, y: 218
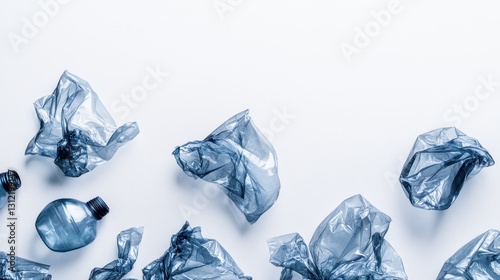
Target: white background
x: 350, y: 124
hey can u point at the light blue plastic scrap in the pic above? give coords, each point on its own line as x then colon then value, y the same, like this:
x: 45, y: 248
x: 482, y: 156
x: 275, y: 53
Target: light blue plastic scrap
x: 438, y: 165
x: 192, y: 257
x: 128, y: 249
x: 16, y: 268
x: 75, y: 128
x: 239, y: 158
x: 477, y: 260
x: 348, y: 245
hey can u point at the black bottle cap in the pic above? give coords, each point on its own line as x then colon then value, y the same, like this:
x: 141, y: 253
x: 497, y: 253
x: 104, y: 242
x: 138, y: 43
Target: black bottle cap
x: 98, y: 207
x: 10, y: 180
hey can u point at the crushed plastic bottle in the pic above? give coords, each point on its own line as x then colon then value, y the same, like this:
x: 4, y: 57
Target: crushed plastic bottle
x: 10, y: 182
x: 438, y: 165
x: 190, y: 257
x: 477, y: 260
x: 349, y: 245
x: 68, y: 224
x: 75, y: 128
x: 239, y: 158
x: 16, y: 268
x: 128, y: 248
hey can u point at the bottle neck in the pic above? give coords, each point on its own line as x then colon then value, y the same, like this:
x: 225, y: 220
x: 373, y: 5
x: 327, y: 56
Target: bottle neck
x: 10, y: 180
x: 98, y: 207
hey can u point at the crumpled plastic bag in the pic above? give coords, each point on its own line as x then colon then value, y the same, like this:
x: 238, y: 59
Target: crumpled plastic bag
x: 349, y: 245
x: 128, y: 248
x: 24, y: 269
x: 479, y: 259
x: 438, y: 165
x: 75, y: 128
x: 192, y: 257
x: 239, y: 158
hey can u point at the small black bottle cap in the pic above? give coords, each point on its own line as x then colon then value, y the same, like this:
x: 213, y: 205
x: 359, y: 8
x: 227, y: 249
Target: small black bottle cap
x: 10, y: 180
x: 98, y: 207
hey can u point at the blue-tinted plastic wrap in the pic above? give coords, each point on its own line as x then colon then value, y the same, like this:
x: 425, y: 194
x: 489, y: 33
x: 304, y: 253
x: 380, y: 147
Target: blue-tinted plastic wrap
x: 477, y: 260
x: 349, y: 245
x: 128, y: 248
x: 239, y: 158
x: 24, y: 269
x: 192, y: 257
x: 438, y: 165
x: 75, y: 128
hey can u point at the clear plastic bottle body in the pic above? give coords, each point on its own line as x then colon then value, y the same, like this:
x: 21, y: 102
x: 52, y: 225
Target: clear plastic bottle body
x: 3, y: 197
x: 67, y: 224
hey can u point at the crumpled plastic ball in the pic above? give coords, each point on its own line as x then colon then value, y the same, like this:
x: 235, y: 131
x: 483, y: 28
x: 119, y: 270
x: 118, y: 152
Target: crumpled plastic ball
x: 349, y: 245
x: 477, y: 260
x: 75, y: 128
x: 192, y: 257
x: 128, y: 248
x: 239, y: 158
x: 438, y: 165
x: 24, y: 269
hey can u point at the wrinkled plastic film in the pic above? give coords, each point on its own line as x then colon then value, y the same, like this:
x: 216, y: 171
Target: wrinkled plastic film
x: 75, y: 128
x: 349, y: 245
x: 239, y: 158
x: 290, y: 252
x: 192, y: 257
x: 478, y: 259
x: 128, y: 248
x: 24, y: 269
x: 438, y: 165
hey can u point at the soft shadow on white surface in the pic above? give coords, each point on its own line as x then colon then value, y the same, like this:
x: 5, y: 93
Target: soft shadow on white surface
x: 215, y: 197
x: 54, y: 175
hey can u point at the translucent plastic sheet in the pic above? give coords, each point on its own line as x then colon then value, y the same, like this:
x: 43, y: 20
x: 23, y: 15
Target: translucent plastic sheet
x: 438, y: 165
x: 192, y: 257
x: 75, y: 128
x: 239, y: 158
x: 349, y: 245
x: 477, y: 260
x: 128, y: 248
x: 24, y: 269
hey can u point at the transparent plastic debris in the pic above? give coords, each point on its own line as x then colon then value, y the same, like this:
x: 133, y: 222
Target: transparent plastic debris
x: 128, y: 248
x: 438, y: 165
x: 75, y: 128
x: 239, y: 158
x: 10, y: 182
x: 192, y: 257
x: 68, y: 224
x: 477, y: 260
x: 349, y: 245
x: 23, y: 269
